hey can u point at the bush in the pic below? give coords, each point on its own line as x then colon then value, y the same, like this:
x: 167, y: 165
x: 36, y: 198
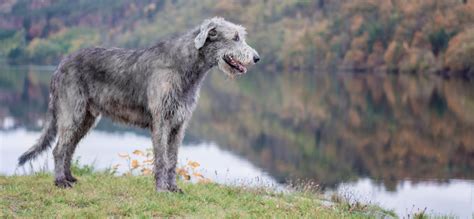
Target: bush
x: 10, y: 40
x: 47, y: 51
x: 43, y: 51
x: 393, y: 55
x: 439, y: 41
x: 460, y: 53
x: 418, y: 60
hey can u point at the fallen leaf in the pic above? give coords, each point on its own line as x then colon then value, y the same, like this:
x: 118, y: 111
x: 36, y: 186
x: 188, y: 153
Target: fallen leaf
x: 138, y: 152
x: 198, y: 175
x: 148, y: 161
x: 193, y: 164
x: 146, y: 171
x: 135, y: 164
x: 124, y: 155
x: 187, y: 177
x: 204, y: 180
x: 181, y: 171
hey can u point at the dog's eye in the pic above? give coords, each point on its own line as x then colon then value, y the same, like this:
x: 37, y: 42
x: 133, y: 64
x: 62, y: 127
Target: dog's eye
x: 212, y: 32
x: 236, y: 38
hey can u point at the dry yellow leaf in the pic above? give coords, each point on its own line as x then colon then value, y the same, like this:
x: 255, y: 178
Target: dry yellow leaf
x: 124, y: 155
x: 187, y: 177
x: 135, y: 164
x: 204, y: 180
x: 184, y: 173
x: 148, y: 161
x: 138, y: 152
x: 193, y: 164
x: 198, y: 175
x: 146, y: 171
x: 181, y: 171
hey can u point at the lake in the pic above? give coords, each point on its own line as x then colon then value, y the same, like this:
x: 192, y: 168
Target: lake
x: 403, y: 141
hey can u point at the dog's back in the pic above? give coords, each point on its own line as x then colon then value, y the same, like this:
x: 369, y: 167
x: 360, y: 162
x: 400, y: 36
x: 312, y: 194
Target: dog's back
x: 113, y: 82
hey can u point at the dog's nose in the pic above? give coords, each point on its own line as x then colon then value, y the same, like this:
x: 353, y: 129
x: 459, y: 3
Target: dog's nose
x: 256, y: 59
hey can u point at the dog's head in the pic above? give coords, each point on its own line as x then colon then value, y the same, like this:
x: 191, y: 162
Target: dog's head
x: 224, y: 44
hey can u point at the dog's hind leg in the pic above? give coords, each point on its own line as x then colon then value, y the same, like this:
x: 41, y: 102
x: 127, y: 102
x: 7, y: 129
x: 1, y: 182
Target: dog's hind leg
x: 67, y: 140
x: 70, y: 133
x: 81, y: 131
x: 73, y: 121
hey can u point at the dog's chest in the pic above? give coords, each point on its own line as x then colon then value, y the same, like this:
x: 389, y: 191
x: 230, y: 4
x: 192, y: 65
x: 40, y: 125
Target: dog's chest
x: 178, y: 107
x: 176, y: 96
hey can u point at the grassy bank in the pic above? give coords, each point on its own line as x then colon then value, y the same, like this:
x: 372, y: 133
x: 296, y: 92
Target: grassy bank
x: 101, y: 195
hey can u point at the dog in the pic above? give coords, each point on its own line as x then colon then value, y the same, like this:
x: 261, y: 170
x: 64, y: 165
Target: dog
x: 155, y: 88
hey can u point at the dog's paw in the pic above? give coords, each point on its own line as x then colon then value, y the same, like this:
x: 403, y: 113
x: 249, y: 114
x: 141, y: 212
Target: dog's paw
x: 175, y: 189
x: 63, y: 183
x: 71, y: 179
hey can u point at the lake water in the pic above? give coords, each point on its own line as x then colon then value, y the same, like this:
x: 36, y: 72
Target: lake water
x: 102, y: 149
x: 405, y: 142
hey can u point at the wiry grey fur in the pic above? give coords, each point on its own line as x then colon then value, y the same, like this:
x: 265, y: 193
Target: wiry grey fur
x: 154, y: 88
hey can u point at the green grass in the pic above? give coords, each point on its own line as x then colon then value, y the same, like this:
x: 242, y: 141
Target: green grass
x: 105, y: 195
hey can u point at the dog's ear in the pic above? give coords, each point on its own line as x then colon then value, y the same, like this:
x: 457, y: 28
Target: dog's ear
x: 207, y: 28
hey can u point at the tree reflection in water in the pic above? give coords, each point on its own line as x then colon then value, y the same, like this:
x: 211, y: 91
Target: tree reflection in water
x: 330, y: 127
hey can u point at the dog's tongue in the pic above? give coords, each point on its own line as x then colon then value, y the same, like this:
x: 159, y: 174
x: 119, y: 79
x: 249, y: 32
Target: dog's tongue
x: 238, y: 65
x: 241, y: 68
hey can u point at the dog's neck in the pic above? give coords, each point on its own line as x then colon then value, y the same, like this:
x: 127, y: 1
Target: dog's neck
x: 182, y: 55
x: 197, y: 65
x: 184, y: 58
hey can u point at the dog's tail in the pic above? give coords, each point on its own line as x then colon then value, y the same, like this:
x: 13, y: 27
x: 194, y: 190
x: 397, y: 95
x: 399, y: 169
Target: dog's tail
x: 48, y: 135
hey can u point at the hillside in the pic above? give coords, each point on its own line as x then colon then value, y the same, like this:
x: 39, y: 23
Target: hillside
x: 363, y: 35
x: 103, y: 195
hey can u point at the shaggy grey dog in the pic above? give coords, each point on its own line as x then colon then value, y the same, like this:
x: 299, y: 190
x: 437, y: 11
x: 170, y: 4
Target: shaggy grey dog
x: 154, y: 88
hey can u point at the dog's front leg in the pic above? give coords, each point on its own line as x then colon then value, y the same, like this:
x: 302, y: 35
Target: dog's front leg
x: 159, y: 133
x: 175, y: 138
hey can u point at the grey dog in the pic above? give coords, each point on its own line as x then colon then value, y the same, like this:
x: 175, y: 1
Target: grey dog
x: 154, y: 88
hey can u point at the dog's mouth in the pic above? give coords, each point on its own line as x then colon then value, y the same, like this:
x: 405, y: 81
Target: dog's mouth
x: 232, y: 62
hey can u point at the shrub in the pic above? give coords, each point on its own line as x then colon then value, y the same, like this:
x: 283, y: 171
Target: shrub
x: 417, y: 60
x: 439, y: 41
x: 10, y: 41
x: 393, y: 55
x: 460, y: 53
x: 41, y: 50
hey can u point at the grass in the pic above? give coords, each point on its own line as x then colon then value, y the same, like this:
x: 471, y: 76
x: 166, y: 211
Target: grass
x: 106, y: 195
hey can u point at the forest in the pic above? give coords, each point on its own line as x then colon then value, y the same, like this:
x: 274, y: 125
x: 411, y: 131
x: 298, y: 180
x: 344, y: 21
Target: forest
x: 421, y: 36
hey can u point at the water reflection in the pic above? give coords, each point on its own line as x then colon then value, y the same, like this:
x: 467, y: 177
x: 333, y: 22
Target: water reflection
x: 453, y: 197
x: 329, y: 127
x: 334, y: 127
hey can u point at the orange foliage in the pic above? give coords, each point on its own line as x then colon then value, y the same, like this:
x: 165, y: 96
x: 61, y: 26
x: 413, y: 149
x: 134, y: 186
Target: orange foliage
x: 460, y: 53
x: 141, y: 163
x: 394, y: 54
